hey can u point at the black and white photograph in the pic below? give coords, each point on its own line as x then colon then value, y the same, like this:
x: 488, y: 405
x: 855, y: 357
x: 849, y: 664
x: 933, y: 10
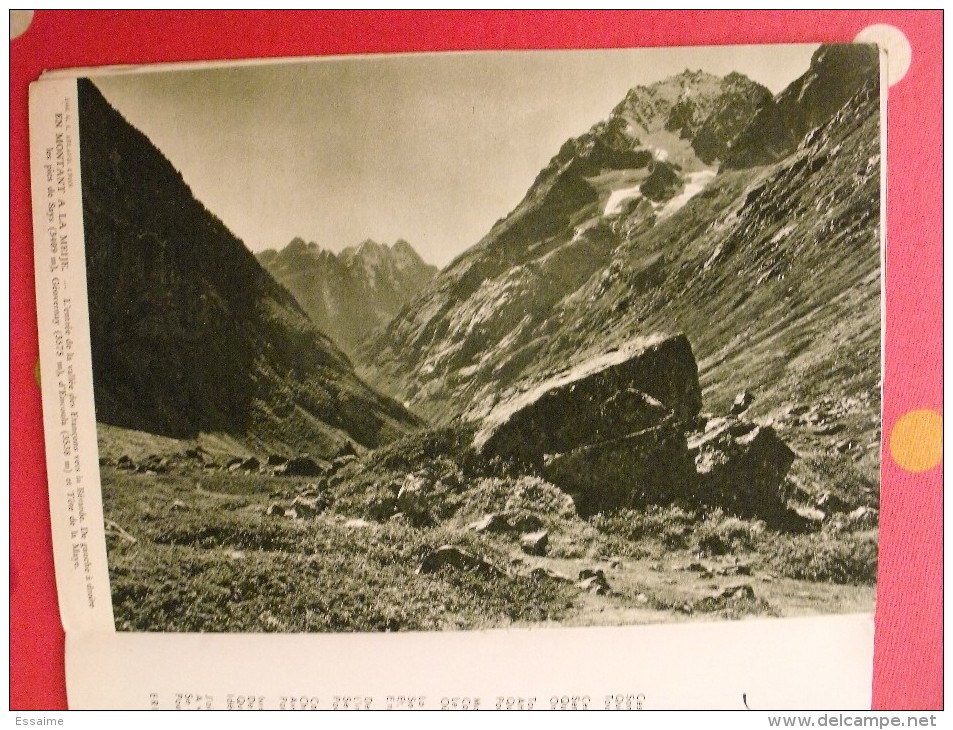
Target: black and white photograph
x: 468, y: 341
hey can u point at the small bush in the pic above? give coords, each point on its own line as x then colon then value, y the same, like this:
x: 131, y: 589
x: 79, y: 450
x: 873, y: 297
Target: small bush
x: 228, y: 530
x: 823, y: 556
x: 668, y: 526
x: 721, y: 534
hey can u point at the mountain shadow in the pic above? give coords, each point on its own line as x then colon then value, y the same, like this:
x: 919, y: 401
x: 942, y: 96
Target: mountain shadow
x: 189, y: 333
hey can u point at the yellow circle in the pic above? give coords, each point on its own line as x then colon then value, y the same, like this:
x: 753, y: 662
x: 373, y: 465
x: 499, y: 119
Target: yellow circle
x: 916, y: 442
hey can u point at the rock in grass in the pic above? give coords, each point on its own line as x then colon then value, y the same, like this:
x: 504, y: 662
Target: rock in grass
x: 493, y: 522
x: 586, y: 573
x: 810, y: 514
x: 448, y: 556
x: 535, y: 543
x: 304, y: 508
x: 726, y: 598
x: 742, y: 402
x: 866, y: 516
x: 524, y: 521
x: 114, y: 530
x: 737, y: 593
x: 412, y: 497
x: 342, y: 461
x: 300, y: 466
x: 736, y: 569
x: 829, y: 502
x: 179, y: 506
x: 249, y: 464
x: 275, y: 510
x: 741, y: 467
x: 696, y: 567
x: 549, y: 574
x: 593, y: 581
x: 346, y: 450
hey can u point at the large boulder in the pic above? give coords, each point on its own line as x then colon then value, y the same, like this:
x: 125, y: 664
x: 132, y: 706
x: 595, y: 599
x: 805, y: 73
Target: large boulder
x: 741, y: 467
x: 742, y: 402
x: 651, y: 466
x: 621, y: 392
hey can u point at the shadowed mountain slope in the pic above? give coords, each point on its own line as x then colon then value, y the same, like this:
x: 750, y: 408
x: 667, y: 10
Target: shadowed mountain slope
x: 189, y: 333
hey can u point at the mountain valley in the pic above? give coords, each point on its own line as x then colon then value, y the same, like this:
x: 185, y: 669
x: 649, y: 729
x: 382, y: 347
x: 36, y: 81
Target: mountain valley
x: 651, y: 392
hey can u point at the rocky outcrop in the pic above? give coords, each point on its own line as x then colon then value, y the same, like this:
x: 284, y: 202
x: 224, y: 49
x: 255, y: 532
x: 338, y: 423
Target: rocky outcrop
x: 662, y: 183
x: 593, y: 581
x: 300, y: 466
x: 534, y: 543
x: 493, y: 522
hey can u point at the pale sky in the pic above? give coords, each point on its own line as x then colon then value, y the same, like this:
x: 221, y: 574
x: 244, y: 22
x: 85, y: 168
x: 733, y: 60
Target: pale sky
x: 432, y: 148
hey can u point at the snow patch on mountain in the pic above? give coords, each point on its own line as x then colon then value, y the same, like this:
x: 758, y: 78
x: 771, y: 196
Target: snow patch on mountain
x: 618, y: 197
x: 695, y: 182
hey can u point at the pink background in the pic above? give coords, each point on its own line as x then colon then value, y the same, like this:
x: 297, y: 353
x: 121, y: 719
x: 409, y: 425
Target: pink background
x: 908, y: 666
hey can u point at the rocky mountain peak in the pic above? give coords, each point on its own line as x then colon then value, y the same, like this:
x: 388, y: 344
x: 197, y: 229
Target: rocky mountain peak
x: 401, y: 246
x: 297, y: 245
x: 684, y: 102
x: 370, y: 247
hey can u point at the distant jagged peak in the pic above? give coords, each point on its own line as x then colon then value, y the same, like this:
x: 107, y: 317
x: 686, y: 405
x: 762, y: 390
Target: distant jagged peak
x: 368, y: 252
x: 689, y: 119
x: 296, y: 245
x: 405, y: 256
x: 400, y: 253
x: 299, y: 247
x: 369, y: 245
x: 402, y: 246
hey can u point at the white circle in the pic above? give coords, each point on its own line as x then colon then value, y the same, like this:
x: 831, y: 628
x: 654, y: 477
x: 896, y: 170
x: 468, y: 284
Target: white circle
x: 892, y: 40
x: 19, y: 21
